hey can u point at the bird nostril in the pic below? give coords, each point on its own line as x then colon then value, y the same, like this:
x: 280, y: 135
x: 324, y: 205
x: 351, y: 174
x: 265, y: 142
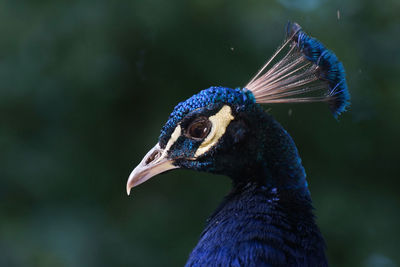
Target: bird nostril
x: 154, y: 156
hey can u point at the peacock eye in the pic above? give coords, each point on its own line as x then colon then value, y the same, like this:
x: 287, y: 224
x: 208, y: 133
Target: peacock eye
x: 199, y: 128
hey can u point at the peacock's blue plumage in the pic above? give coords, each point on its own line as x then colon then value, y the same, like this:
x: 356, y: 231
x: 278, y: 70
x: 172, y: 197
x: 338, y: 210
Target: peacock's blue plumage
x: 331, y: 69
x: 260, y: 226
x: 267, y: 218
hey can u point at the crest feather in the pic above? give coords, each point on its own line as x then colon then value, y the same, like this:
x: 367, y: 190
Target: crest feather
x: 307, y: 72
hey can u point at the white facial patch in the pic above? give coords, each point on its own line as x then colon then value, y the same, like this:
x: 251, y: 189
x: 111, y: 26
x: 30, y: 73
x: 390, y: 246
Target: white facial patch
x: 220, y: 122
x: 174, y: 136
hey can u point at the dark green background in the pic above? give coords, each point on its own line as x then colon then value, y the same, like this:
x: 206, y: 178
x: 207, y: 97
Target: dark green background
x: 85, y: 87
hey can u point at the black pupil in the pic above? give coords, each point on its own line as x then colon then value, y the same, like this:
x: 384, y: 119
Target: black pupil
x: 199, y: 129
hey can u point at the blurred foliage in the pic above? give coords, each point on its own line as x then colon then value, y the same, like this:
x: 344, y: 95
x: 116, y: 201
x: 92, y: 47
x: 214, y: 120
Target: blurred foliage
x: 85, y: 87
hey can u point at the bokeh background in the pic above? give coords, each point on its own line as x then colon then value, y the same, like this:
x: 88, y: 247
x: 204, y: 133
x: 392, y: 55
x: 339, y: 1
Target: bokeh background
x: 85, y: 87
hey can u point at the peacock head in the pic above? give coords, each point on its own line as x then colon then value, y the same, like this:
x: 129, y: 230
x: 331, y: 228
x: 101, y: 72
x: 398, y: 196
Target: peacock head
x: 226, y: 131
x: 207, y: 132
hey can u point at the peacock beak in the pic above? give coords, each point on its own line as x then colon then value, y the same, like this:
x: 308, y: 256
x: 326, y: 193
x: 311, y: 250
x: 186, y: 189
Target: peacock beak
x: 155, y: 162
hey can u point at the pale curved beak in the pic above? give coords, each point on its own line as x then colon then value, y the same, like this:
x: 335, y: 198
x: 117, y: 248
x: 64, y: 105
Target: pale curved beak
x: 155, y: 162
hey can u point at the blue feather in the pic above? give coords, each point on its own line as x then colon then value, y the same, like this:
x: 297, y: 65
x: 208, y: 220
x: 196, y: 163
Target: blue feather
x: 331, y: 69
x: 307, y: 67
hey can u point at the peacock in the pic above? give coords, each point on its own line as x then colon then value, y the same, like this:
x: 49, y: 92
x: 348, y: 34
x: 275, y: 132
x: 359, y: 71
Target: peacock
x: 267, y: 218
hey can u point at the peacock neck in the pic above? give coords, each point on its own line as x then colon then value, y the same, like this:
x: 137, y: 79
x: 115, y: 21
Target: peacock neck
x: 257, y: 225
x: 270, y: 157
